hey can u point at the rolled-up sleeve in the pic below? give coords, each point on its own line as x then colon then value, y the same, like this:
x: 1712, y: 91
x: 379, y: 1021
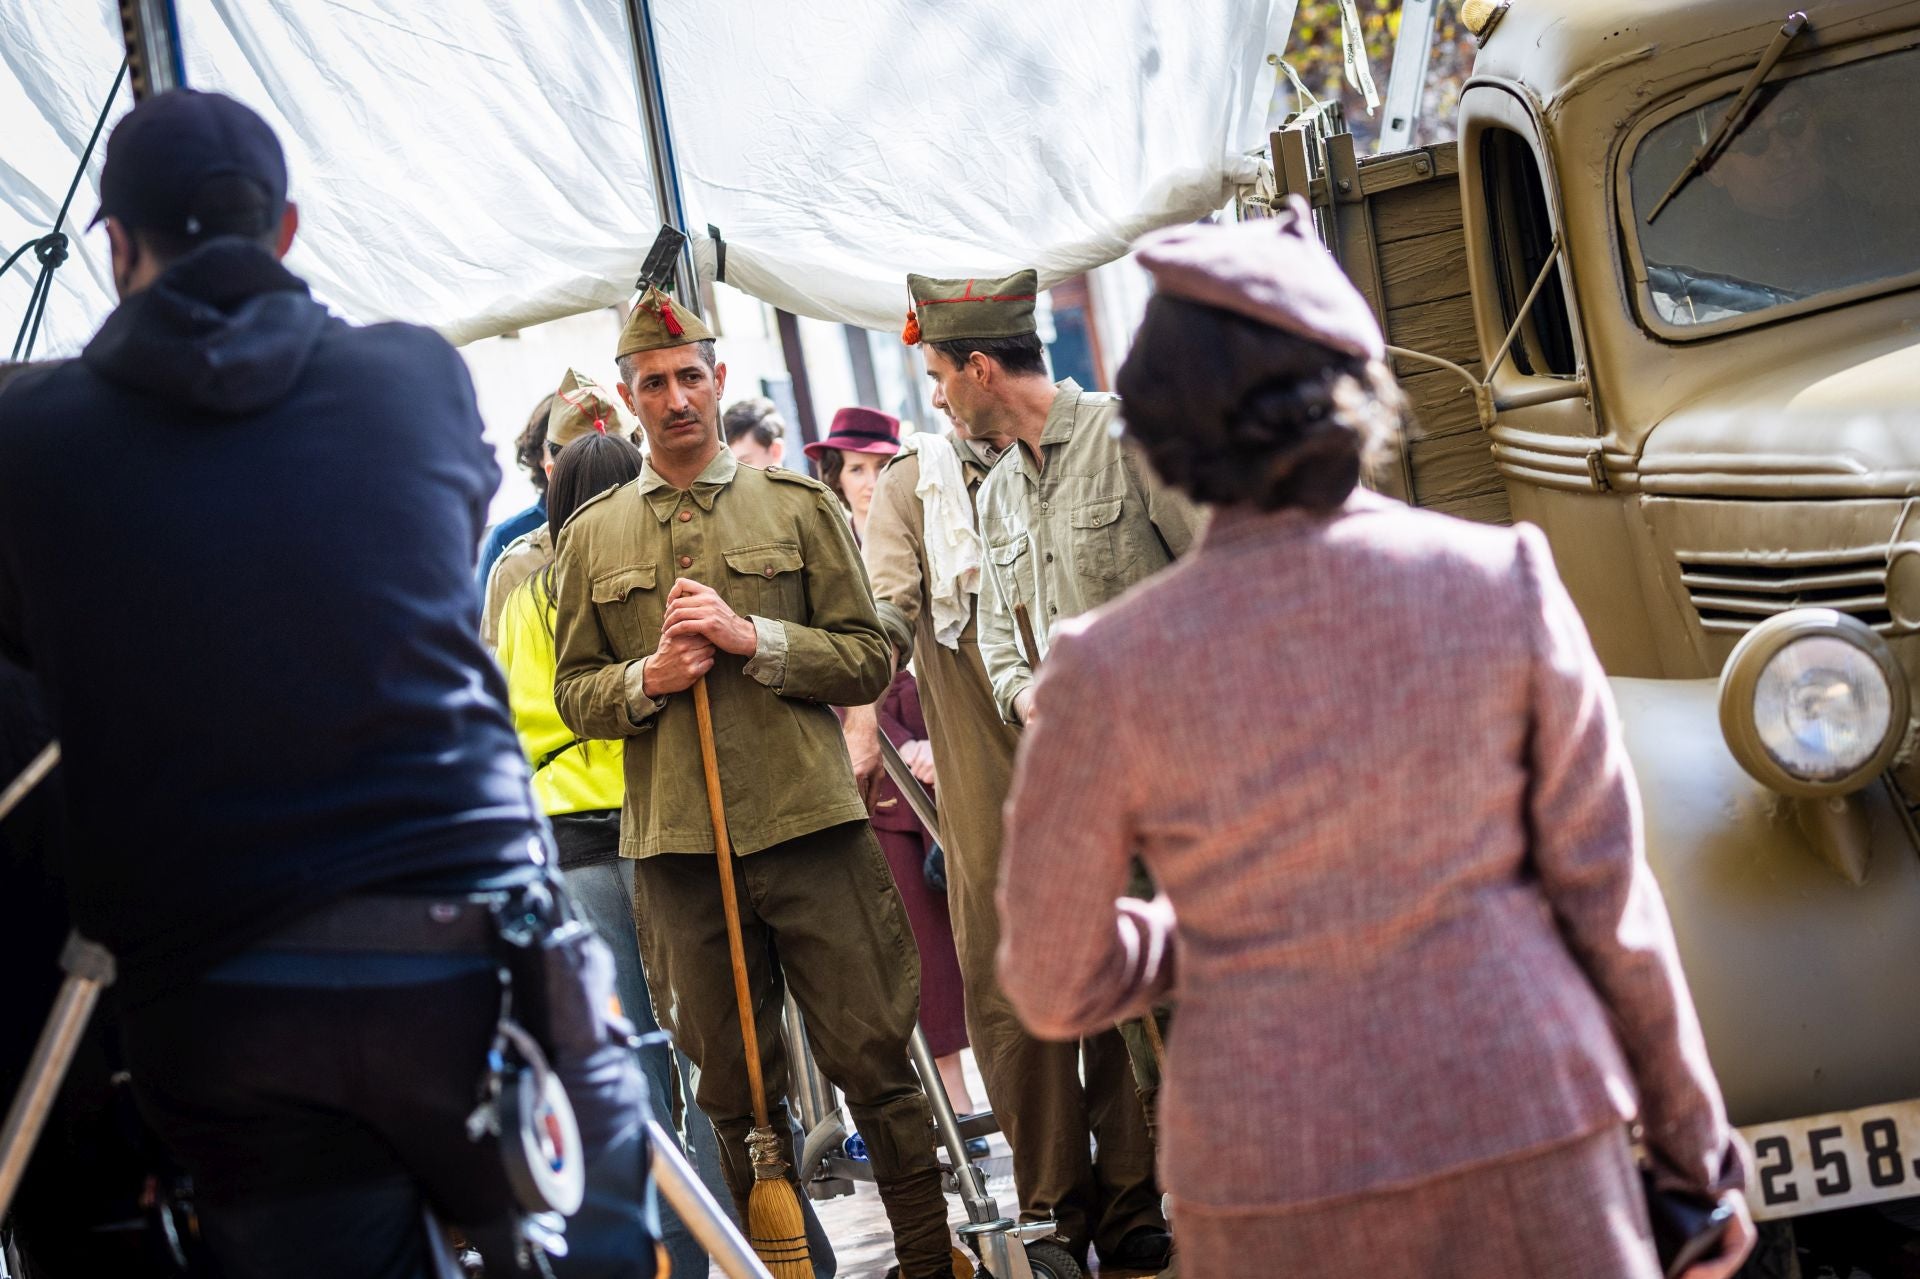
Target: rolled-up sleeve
x: 1007, y: 666
x: 1075, y: 954
x: 1587, y: 849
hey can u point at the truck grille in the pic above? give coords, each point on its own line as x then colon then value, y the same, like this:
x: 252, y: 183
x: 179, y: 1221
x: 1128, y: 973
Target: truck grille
x: 1734, y: 593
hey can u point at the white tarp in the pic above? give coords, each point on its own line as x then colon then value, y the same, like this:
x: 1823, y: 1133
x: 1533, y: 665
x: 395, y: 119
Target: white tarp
x: 483, y: 167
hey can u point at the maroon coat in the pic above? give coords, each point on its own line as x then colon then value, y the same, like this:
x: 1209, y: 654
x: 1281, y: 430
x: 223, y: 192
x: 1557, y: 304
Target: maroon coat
x: 1373, y: 764
x: 901, y: 721
x: 905, y: 842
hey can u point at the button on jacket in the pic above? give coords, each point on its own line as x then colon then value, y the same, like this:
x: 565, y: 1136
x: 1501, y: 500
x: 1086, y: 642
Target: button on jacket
x: 778, y: 549
x: 1072, y: 536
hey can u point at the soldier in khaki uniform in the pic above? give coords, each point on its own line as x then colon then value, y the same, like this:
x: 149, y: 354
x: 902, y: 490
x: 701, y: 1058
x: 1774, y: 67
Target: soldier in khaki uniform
x: 1073, y: 517
x: 580, y: 407
x: 1069, y: 520
x: 1050, y: 1116
x: 704, y: 566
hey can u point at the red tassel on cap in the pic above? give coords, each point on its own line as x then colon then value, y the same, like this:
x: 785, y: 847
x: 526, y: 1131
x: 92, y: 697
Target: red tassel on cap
x: 671, y: 320
x: 911, y: 334
x: 600, y: 425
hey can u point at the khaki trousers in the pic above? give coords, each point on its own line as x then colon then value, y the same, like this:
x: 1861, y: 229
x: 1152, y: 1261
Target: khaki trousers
x: 1049, y: 1114
x: 819, y: 915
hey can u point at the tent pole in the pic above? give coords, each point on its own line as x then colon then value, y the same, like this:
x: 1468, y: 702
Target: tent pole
x: 660, y: 152
x: 151, y: 30
x: 1407, y: 82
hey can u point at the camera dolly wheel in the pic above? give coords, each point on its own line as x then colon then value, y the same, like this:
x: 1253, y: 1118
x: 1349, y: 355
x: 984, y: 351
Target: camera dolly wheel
x: 1051, y: 1261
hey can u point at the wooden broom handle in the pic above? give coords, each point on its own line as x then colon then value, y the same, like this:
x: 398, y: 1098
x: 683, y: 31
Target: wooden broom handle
x: 723, y: 850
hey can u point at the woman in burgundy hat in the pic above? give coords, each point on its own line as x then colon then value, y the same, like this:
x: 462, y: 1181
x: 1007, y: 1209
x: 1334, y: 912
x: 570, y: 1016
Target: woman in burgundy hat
x: 850, y: 458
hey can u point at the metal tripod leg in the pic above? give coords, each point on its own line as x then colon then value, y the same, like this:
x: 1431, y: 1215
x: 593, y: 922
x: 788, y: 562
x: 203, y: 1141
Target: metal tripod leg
x: 681, y: 1187
x: 825, y: 1171
x: 999, y: 1241
x: 89, y: 971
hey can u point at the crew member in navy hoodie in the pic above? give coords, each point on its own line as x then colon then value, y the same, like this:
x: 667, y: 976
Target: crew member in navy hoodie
x: 298, y: 813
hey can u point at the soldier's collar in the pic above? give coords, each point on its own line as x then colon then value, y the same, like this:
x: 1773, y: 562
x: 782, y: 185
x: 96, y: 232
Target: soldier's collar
x: 1066, y: 404
x: 664, y: 498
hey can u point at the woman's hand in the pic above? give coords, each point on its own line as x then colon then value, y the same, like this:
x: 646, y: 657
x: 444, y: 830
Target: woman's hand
x: 918, y: 757
x: 1735, y: 1244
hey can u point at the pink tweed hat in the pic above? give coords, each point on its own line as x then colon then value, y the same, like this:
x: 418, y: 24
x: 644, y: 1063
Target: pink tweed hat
x: 1268, y: 269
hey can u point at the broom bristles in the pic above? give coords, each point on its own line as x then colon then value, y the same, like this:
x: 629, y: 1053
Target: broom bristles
x: 776, y: 1229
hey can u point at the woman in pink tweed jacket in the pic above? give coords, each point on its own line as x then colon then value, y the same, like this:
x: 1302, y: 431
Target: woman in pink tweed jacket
x: 1423, y: 976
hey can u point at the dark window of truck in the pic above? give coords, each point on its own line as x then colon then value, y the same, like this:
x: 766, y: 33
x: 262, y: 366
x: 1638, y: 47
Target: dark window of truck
x: 1813, y: 197
x: 1522, y: 233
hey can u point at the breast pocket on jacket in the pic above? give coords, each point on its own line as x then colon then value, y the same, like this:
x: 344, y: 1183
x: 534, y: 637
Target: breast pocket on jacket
x: 766, y: 580
x: 631, y: 607
x: 1013, y: 568
x: 1102, y: 549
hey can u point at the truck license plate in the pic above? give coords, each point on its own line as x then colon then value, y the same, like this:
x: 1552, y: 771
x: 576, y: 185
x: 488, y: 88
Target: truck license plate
x: 1835, y: 1161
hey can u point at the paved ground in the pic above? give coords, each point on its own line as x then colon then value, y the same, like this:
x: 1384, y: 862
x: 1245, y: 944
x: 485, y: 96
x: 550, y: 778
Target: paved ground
x: 858, y: 1225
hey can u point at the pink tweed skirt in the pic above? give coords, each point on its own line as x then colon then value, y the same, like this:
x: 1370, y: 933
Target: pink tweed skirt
x: 1571, y: 1211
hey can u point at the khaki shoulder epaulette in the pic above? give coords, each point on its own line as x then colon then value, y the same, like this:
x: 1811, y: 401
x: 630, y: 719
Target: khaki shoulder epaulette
x: 595, y: 500
x: 785, y: 476
x: 525, y: 539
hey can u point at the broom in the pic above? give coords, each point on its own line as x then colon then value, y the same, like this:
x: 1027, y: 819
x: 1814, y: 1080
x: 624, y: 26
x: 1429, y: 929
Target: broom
x: 775, y: 1228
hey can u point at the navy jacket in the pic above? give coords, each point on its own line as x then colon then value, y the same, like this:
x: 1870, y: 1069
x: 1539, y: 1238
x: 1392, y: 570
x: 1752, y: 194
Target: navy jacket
x: 236, y: 546
x: 498, y: 537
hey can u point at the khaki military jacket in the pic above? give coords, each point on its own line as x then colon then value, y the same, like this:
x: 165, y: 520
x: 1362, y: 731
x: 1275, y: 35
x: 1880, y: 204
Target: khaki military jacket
x: 777, y: 548
x: 1069, y: 537
x: 521, y: 559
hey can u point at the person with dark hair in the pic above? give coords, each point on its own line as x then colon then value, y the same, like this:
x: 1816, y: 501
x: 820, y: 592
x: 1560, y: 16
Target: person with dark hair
x: 1071, y: 519
x: 1425, y: 978
x: 749, y: 580
x: 1068, y: 519
x: 298, y: 815
x: 578, y: 409
x: 531, y: 452
x: 755, y: 432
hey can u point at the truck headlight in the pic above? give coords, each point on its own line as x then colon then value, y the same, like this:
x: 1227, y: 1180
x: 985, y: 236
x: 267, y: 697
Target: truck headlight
x: 1813, y: 703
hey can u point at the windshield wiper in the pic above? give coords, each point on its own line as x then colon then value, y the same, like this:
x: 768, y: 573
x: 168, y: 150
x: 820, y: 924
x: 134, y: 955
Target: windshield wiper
x: 1736, y: 117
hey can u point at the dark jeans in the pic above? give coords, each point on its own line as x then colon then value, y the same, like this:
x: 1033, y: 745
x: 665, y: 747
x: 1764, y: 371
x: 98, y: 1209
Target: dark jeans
x: 319, y: 1101
x: 604, y: 894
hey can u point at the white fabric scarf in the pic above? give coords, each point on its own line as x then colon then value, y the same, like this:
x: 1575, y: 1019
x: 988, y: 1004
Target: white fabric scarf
x: 952, y: 545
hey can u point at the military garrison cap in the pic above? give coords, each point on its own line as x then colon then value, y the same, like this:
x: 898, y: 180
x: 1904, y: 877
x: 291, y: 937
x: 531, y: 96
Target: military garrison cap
x: 948, y: 310
x: 658, y: 322
x: 580, y: 408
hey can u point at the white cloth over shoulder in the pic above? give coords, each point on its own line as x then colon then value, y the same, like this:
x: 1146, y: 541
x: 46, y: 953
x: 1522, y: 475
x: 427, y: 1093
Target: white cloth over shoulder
x: 948, y: 533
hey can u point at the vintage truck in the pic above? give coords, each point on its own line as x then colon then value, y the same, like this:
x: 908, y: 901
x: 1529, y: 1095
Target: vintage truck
x: 1662, y: 298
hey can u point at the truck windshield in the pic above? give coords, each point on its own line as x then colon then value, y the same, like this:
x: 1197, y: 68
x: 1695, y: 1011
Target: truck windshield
x: 1816, y: 194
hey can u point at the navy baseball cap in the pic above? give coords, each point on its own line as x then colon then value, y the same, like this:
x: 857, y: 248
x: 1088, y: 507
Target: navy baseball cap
x: 165, y: 150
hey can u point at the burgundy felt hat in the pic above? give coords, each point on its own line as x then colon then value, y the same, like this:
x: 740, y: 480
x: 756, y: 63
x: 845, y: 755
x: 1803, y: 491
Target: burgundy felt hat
x: 860, y: 431
x: 1269, y: 269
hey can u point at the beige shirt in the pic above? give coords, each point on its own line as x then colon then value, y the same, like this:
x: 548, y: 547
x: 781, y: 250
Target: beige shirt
x: 523, y: 557
x: 1067, y: 537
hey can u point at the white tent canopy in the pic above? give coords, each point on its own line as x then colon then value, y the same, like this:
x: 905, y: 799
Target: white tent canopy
x: 484, y: 167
